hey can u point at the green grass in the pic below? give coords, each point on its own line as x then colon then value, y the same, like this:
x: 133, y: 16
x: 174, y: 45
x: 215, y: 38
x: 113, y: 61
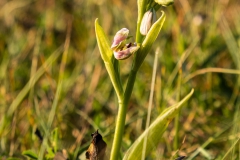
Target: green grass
x: 46, y: 84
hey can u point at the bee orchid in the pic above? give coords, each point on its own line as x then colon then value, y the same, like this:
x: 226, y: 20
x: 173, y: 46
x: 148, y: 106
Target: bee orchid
x: 120, y: 49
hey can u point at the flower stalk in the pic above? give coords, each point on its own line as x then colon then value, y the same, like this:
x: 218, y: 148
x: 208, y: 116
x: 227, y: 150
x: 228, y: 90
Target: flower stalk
x: 121, y: 117
x: 120, y: 50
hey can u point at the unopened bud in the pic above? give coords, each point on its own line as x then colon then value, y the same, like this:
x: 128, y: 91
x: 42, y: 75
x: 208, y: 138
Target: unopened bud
x: 119, y: 40
x: 148, y: 19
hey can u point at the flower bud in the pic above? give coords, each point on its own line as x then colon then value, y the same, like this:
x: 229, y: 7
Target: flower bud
x: 127, y: 51
x: 148, y: 19
x: 119, y: 40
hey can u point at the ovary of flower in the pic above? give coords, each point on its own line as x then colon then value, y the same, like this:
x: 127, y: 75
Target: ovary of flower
x: 119, y: 40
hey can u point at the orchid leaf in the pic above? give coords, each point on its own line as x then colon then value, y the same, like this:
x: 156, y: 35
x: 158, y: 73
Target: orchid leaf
x: 155, y: 131
x: 103, y: 43
x: 111, y: 64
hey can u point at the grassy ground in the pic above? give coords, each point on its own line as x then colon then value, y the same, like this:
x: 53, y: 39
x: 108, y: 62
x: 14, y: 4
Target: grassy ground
x: 52, y: 76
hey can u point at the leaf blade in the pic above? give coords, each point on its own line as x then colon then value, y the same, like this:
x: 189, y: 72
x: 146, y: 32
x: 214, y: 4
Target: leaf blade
x: 155, y: 131
x: 110, y: 62
x: 103, y: 43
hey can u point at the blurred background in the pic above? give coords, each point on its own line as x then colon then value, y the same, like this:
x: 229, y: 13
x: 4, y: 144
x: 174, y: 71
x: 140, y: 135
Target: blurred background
x: 198, y: 42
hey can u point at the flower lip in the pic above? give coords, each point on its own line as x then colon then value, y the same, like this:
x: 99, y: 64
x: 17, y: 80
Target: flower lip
x: 121, y: 55
x: 127, y: 51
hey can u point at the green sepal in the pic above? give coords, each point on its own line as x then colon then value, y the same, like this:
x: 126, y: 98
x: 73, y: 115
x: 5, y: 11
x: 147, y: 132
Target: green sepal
x: 103, y: 43
x: 155, y: 131
x: 110, y: 62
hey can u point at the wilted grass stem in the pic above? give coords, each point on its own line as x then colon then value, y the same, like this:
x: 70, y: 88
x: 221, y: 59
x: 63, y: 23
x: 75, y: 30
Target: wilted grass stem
x: 231, y: 149
x: 150, y: 102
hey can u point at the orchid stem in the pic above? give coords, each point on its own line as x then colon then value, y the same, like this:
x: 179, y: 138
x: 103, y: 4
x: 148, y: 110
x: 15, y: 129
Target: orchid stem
x: 121, y: 117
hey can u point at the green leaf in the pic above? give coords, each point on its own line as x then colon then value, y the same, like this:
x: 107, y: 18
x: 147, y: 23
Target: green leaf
x: 111, y: 63
x: 155, y: 131
x: 164, y: 2
x: 103, y: 43
x: 31, y: 154
x: 148, y: 41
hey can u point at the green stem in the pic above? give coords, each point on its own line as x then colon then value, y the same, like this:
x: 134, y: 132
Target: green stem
x: 141, y: 10
x: 123, y: 103
x: 130, y: 84
x: 138, y: 36
x: 122, y: 117
x: 118, y: 131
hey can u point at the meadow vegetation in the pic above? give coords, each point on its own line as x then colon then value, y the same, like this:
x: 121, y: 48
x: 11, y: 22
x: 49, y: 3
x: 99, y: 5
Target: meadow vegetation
x: 53, y: 82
